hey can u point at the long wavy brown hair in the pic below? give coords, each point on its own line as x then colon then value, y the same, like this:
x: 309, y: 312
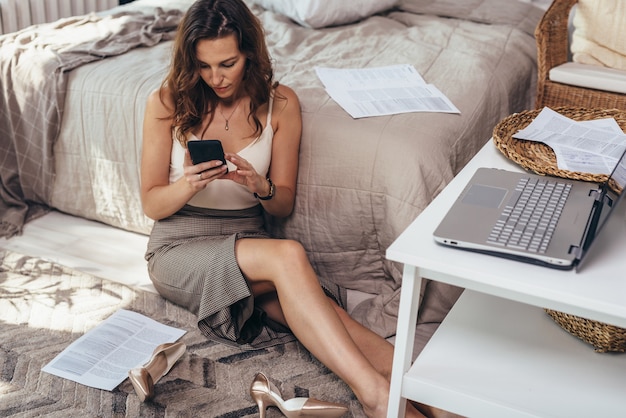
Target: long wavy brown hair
x: 192, y: 97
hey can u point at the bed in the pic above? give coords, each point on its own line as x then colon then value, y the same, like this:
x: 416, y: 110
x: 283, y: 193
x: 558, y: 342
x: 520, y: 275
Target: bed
x: 361, y: 181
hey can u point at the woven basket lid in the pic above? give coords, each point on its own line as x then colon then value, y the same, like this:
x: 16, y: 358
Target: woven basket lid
x: 539, y: 157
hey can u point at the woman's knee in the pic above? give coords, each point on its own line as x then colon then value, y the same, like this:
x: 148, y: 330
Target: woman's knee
x: 291, y: 250
x: 267, y: 259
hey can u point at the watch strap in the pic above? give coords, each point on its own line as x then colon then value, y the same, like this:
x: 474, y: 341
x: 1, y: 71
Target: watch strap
x: 270, y: 195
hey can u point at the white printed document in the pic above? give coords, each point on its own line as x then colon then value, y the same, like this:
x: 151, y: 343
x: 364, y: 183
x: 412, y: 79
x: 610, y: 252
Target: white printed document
x: 103, y: 356
x: 383, y: 91
x: 592, y: 146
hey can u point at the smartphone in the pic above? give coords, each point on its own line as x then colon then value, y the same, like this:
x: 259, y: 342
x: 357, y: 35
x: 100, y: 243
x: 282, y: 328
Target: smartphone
x: 206, y: 150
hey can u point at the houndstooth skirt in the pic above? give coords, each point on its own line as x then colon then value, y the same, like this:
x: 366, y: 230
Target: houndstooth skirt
x: 191, y: 262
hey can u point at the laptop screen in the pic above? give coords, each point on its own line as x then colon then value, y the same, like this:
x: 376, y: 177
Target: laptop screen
x: 607, y: 201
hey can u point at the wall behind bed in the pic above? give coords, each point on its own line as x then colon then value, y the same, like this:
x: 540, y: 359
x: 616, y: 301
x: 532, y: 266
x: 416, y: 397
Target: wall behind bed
x: 18, y: 14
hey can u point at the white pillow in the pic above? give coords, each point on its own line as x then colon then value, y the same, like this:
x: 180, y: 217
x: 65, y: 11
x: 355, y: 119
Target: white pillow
x: 599, y: 33
x: 320, y: 13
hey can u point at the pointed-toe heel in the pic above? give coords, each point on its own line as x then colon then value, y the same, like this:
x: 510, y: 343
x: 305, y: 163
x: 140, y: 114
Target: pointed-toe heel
x: 320, y: 409
x: 163, y: 359
x: 265, y: 394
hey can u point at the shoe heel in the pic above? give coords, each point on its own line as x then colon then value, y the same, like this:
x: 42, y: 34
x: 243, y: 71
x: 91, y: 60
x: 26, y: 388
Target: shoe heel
x: 262, y: 407
x: 264, y: 393
x: 163, y: 359
x: 142, y: 383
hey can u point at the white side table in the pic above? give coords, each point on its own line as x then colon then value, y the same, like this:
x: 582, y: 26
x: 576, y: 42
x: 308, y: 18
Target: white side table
x: 497, y: 354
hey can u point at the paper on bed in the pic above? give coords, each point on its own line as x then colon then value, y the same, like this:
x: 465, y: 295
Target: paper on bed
x: 381, y: 91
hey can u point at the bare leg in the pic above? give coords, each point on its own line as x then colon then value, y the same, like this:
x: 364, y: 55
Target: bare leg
x: 375, y: 348
x: 380, y: 353
x: 283, y: 266
x: 342, y: 344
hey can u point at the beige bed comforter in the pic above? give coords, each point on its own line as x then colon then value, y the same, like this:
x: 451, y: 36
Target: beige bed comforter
x: 361, y: 182
x: 34, y: 67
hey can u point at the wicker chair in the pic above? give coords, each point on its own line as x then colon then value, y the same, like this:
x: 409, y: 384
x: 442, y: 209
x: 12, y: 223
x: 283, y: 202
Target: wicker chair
x: 552, y: 50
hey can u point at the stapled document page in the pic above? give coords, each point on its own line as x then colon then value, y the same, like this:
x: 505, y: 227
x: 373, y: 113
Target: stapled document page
x: 103, y: 356
x: 394, y: 89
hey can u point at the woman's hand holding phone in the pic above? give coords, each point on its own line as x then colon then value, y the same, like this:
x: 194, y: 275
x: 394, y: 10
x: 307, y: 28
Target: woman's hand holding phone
x: 205, y: 153
x: 205, y: 156
x: 202, y: 151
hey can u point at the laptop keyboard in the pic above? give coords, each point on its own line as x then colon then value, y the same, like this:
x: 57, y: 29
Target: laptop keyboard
x: 530, y: 217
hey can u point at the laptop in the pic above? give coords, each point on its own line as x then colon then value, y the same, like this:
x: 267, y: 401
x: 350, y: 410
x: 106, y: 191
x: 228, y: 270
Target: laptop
x: 543, y: 220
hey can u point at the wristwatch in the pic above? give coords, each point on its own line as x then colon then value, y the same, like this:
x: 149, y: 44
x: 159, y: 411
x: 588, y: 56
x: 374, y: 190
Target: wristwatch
x: 270, y: 195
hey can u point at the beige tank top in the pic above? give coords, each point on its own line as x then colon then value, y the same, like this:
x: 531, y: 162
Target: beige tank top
x: 223, y: 193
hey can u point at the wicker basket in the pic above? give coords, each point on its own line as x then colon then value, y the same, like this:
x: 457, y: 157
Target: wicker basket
x: 602, y: 336
x: 540, y: 158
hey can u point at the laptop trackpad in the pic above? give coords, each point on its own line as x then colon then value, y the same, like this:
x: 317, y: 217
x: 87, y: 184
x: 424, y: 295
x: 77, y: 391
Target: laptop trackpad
x: 482, y: 195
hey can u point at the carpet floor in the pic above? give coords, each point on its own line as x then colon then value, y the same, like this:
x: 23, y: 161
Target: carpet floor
x: 45, y: 306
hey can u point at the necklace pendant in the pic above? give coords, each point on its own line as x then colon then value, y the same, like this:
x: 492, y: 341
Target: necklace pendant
x: 226, y: 119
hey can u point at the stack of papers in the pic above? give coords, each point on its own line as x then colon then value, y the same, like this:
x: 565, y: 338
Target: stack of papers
x: 592, y: 146
x: 383, y: 91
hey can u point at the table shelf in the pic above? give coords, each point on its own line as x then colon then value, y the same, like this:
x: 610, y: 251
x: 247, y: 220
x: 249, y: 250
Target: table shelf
x: 492, y: 357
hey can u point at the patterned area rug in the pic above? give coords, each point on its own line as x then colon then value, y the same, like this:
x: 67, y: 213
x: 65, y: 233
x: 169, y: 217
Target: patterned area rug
x: 44, y: 307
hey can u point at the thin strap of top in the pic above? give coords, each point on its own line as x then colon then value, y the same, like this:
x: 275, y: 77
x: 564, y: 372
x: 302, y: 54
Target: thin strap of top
x: 269, y: 109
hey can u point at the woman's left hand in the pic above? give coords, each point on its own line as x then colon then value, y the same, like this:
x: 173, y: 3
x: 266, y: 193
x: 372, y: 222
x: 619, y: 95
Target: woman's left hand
x: 246, y: 175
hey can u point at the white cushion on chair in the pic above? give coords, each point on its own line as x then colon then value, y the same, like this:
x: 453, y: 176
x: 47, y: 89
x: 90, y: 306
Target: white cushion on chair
x: 589, y: 76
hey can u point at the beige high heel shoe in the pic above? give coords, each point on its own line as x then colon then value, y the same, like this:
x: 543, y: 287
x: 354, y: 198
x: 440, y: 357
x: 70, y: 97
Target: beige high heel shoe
x: 265, y: 394
x: 163, y: 359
